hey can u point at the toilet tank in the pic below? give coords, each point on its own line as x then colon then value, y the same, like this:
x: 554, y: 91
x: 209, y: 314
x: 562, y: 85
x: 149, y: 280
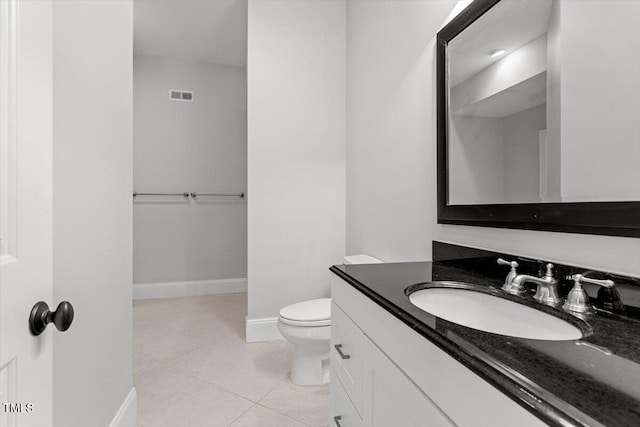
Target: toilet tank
x: 361, y: 259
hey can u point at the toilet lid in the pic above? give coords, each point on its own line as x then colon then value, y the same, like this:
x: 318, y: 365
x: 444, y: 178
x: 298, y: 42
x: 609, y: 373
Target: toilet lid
x: 313, y: 324
x: 315, y: 310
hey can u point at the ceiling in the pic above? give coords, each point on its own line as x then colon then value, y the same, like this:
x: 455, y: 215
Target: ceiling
x: 213, y: 31
x: 509, y: 25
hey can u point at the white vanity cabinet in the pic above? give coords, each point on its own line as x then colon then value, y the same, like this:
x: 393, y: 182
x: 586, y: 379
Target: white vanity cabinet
x: 391, y: 397
x: 347, y: 351
x: 343, y: 413
x: 384, y: 374
x: 367, y: 389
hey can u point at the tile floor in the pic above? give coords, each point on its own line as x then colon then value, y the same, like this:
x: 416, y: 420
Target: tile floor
x: 193, y: 368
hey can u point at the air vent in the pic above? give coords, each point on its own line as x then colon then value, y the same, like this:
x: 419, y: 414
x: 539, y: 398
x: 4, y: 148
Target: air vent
x: 181, y: 95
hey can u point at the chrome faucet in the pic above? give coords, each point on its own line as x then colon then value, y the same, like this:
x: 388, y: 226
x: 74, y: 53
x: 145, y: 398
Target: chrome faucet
x: 547, y: 292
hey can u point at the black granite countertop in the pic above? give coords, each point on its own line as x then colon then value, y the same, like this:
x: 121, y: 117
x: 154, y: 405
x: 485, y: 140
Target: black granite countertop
x: 592, y: 381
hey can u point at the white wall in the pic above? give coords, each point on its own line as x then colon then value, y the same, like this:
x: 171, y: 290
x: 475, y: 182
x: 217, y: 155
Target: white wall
x: 391, y: 110
x: 92, y: 144
x: 296, y: 150
x: 601, y: 125
x: 182, y: 146
x: 391, y: 161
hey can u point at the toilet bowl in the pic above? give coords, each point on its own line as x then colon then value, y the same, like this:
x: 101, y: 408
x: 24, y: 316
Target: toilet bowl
x: 307, y: 325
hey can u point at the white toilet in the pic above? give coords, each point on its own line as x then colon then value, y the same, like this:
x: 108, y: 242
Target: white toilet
x: 307, y: 325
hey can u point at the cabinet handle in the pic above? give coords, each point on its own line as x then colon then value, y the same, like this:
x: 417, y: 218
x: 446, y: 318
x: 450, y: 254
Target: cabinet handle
x: 342, y: 355
x: 337, y: 419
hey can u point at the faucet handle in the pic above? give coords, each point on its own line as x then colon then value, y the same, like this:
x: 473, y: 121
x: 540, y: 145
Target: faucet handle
x: 578, y: 300
x: 606, y: 283
x: 608, y: 297
x: 512, y: 274
x: 513, y: 264
x: 549, y: 272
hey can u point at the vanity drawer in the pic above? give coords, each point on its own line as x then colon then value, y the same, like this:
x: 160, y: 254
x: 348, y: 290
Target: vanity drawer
x: 343, y: 414
x: 346, y: 354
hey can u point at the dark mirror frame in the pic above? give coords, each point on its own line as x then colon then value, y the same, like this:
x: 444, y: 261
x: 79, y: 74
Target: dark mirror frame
x: 603, y: 218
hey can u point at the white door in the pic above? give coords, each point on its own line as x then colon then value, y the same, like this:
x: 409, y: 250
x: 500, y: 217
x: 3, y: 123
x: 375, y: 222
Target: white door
x: 25, y: 210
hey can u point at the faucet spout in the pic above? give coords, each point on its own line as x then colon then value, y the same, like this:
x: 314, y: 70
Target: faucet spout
x: 547, y: 291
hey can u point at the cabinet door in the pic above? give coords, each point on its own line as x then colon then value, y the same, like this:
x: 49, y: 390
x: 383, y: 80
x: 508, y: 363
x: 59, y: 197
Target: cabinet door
x: 390, y: 398
x: 343, y: 413
x: 347, y: 354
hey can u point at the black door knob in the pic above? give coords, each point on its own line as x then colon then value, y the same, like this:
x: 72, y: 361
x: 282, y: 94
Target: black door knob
x: 41, y: 316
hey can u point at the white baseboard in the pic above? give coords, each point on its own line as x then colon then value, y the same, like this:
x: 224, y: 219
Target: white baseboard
x: 126, y: 415
x: 265, y: 329
x: 188, y: 288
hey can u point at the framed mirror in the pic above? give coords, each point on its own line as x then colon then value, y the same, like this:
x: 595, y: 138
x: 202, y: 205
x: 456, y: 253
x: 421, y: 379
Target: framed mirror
x: 539, y: 116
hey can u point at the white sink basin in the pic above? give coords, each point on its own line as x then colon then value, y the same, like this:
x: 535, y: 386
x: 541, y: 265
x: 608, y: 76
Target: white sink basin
x: 493, y: 314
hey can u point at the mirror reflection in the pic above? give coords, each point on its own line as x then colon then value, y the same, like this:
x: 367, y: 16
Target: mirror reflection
x: 544, y: 104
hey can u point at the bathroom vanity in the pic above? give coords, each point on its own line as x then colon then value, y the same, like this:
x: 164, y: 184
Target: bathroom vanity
x: 394, y: 364
x: 520, y: 145
x: 392, y: 376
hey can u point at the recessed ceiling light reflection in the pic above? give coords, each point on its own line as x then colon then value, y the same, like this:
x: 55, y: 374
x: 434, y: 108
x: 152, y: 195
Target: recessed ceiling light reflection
x: 497, y: 52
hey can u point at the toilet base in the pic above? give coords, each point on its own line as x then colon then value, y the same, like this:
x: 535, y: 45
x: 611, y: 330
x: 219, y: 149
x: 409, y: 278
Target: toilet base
x: 311, y: 352
x: 309, y: 367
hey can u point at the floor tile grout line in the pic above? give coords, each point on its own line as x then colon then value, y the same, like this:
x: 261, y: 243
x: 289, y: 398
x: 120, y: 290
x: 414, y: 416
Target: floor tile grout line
x: 218, y: 386
x: 176, y: 331
x: 273, y: 359
x: 165, y: 364
x: 189, y: 391
x: 276, y: 410
x: 224, y: 365
x: 158, y: 405
x: 207, y: 342
x: 164, y: 401
x: 236, y: 419
x: 137, y: 348
x: 227, y: 390
x: 284, y: 415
